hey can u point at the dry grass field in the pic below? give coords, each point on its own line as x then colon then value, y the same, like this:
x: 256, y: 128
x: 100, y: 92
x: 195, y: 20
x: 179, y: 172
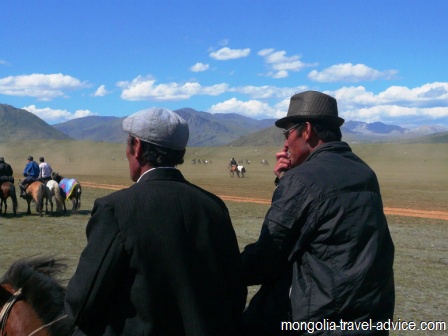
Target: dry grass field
x: 411, y: 177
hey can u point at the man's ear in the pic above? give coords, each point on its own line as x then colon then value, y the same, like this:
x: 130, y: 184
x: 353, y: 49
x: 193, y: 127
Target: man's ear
x: 137, y: 148
x: 308, y: 130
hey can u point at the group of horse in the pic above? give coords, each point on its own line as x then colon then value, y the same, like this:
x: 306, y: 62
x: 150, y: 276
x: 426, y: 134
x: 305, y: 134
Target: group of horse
x: 58, y: 188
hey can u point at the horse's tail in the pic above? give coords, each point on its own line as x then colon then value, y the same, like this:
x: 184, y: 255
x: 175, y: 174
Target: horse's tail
x: 41, y: 192
x: 58, y: 197
x: 12, y: 193
x: 78, y: 197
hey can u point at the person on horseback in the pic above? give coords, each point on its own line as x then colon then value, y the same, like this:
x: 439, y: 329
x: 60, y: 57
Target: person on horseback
x: 31, y: 173
x: 5, y: 171
x: 45, y: 170
x: 233, y: 162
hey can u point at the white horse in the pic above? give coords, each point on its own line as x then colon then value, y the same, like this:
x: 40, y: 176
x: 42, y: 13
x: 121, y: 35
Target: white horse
x: 52, y: 188
x: 237, y: 169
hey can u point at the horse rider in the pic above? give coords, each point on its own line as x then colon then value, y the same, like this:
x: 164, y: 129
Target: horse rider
x: 233, y: 162
x: 31, y: 173
x: 5, y: 171
x: 45, y: 170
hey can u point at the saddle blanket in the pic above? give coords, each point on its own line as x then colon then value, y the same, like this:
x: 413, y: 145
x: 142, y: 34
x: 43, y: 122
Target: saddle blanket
x: 67, y: 186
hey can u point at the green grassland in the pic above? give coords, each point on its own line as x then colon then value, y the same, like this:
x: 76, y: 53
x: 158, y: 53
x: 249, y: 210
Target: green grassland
x: 410, y: 175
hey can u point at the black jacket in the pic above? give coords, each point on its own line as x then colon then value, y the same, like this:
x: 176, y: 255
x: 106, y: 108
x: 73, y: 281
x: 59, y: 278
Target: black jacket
x: 5, y: 169
x: 324, y: 251
x: 161, y: 259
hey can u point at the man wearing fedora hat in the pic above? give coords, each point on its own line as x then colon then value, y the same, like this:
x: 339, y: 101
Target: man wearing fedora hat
x: 324, y: 253
x: 162, y: 257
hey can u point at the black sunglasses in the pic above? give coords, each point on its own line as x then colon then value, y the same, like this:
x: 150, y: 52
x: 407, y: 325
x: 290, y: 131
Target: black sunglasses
x: 287, y: 132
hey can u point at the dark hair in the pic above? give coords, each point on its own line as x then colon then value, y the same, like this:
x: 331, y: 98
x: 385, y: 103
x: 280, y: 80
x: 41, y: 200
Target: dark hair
x: 41, y: 159
x: 160, y: 156
x: 325, y: 131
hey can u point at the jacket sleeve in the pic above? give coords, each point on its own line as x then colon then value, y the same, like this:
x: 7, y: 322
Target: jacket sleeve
x: 100, y: 268
x: 268, y: 256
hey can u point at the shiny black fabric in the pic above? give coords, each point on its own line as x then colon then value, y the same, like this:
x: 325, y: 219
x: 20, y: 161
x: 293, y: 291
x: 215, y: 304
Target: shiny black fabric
x: 324, y: 251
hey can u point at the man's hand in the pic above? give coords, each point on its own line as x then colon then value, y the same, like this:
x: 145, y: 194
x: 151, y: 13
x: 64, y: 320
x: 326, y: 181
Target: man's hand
x: 283, y: 162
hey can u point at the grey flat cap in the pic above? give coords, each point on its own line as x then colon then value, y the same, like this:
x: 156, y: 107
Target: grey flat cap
x: 158, y: 126
x: 309, y: 106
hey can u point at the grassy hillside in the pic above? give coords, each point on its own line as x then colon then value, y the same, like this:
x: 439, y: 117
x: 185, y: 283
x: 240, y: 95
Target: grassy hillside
x: 430, y: 139
x: 20, y: 125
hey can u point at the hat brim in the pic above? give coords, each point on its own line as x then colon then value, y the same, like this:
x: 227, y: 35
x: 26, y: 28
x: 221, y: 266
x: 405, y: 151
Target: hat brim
x: 283, y: 122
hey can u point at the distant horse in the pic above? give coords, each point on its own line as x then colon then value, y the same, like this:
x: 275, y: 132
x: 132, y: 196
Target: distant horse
x: 53, y: 191
x: 7, y: 189
x: 32, y: 300
x: 70, y: 189
x: 36, y: 192
x: 265, y: 162
x: 238, y: 170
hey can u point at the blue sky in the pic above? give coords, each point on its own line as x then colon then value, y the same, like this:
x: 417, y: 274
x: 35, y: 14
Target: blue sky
x: 383, y: 60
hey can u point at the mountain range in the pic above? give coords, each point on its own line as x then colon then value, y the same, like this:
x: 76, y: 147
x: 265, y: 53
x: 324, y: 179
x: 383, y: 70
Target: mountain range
x: 206, y: 129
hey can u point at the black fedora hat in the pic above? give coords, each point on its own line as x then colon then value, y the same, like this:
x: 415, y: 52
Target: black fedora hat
x: 309, y: 106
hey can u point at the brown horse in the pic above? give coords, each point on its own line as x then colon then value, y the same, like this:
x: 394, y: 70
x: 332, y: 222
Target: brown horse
x: 237, y: 169
x: 7, y: 189
x: 36, y: 192
x: 32, y: 299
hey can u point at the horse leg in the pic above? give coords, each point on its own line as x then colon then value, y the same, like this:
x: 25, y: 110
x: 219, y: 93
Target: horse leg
x: 14, y: 204
x: 29, y: 209
x: 49, y: 199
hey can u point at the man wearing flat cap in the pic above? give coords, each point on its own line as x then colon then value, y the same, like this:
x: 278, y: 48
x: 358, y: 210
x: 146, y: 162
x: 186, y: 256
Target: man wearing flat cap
x: 324, y: 253
x: 162, y: 256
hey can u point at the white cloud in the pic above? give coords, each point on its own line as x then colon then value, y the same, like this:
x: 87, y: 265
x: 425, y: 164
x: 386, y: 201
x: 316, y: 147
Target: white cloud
x: 429, y: 101
x: 266, y: 92
x: 101, y: 91
x: 199, y: 67
x: 144, y: 88
x: 43, y: 87
x: 280, y: 65
x: 349, y: 72
x: 396, y: 105
x: 250, y: 108
x: 55, y: 115
x: 2, y: 62
x: 226, y: 53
